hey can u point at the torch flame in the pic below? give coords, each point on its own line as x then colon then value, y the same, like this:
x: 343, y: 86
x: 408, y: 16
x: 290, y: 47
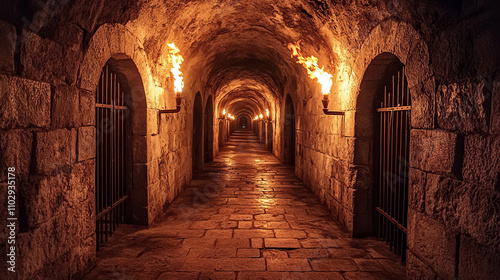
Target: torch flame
x: 176, y: 59
x: 224, y: 112
x: 313, y: 69
x: 267, y: 112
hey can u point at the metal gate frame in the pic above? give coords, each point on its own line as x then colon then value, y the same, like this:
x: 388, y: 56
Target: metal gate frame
x: 110, y: 192
x: 392, y: 192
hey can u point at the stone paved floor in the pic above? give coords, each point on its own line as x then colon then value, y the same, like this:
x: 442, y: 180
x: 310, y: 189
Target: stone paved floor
x: 245, y: 217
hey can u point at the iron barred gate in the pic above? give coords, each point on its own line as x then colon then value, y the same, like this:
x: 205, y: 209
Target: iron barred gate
x: 110, y: 192
x: 394, y: 138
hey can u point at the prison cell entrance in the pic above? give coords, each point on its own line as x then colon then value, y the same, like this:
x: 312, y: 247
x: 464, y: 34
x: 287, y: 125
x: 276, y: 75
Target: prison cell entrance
x: 243, y: 122
x: 289, y: 132
x: 392, y: 161
x: 111, y: 128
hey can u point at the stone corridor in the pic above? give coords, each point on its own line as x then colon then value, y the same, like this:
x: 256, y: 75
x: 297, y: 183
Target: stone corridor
x: 246, y: 216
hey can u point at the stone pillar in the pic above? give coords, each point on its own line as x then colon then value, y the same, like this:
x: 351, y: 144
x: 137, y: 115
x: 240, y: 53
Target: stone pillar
x: 266, y: 136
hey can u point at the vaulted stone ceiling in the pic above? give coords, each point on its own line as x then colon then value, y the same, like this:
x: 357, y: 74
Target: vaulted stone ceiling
x: 234, y: 49
x: 238, y: 49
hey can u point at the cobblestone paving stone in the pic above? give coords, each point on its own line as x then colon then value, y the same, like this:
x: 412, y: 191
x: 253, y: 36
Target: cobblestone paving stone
x: 246, y: 216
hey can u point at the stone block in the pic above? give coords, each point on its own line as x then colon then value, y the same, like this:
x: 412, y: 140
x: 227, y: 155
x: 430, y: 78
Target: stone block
x: 55, y: 150
x: 86, y: 143
x: 140, y: 122
x: 416, y: 269
x: 116, y: 38
x: 477, y: 261
x: 81, y: 184
x: 464, y: 207
x: 24, y: 103
x: 8, y: 37
x: 43, y: 260
x: 359, y: 177
x: 362, y: 121
x: 15, y: 151
x: 482, y: 160
x: 423, y: 97
x: 441, y: 197
x: 65, y: 107
x: 41, y: 195
x: 432, y: 243
x: 87, y: 107
x: 34, y: 257
x: 435, y: 151
x: 363, y: 151
x: 45, y: 60
x: 416, y: 189
x: 153, y: 172
x: 478, y: 215
x: 152, y: 122
x: 417, y: 63
x: 140, y: 149
x: 462, y: 107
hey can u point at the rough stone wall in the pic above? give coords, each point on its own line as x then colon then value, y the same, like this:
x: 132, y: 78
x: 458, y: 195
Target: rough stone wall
x: 174, y: 159
x: 321, y: 158
x: 454, y: 222
x: 47, y: 131
x: 454, y: 179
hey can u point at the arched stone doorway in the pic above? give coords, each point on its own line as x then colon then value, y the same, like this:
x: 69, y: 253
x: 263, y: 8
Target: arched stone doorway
x: 385, y: 100
x: 270, y: 132
x: 289, y: 132
x: 209, y: 131
x: 222, y: 128
x: 120, y: 108
x: 197, y: 142
x: 244, y: 122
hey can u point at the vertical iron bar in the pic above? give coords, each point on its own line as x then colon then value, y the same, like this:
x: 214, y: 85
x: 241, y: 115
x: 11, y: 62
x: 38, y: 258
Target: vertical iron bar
x: 396, y: 163
x: 115, y: 150
x: 386, y: 165
x: 118, y: 154
x: 112, y: 152
x: 97, y: 165
x: 391, y: 168
x: 406, y: 158
x: 106, y: 187
x: 104, y: 149
x: 401, y: 173
x: 380, y: 168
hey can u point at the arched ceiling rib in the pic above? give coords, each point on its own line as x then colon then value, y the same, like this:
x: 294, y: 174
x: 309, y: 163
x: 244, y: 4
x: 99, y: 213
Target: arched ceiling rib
x: 236, y: 49
x: 231, y: 44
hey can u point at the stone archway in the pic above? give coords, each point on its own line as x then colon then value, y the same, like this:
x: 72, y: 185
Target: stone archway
x: 387, y: 43
x: 197, y: 151
x: 270, y: 135
x: 243, y: 122
x: 107, y: 47
x: 208, y: 134
x: 289, y: 132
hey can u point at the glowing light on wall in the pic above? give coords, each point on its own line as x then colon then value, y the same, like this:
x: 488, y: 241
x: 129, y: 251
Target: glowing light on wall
x: 312, y: 67
x: 176, y: 59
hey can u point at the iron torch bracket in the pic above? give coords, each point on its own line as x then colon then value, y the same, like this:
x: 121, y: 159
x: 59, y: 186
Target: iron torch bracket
x: 334, y: 113
x: 327, y: 112
x: 178, y: 101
